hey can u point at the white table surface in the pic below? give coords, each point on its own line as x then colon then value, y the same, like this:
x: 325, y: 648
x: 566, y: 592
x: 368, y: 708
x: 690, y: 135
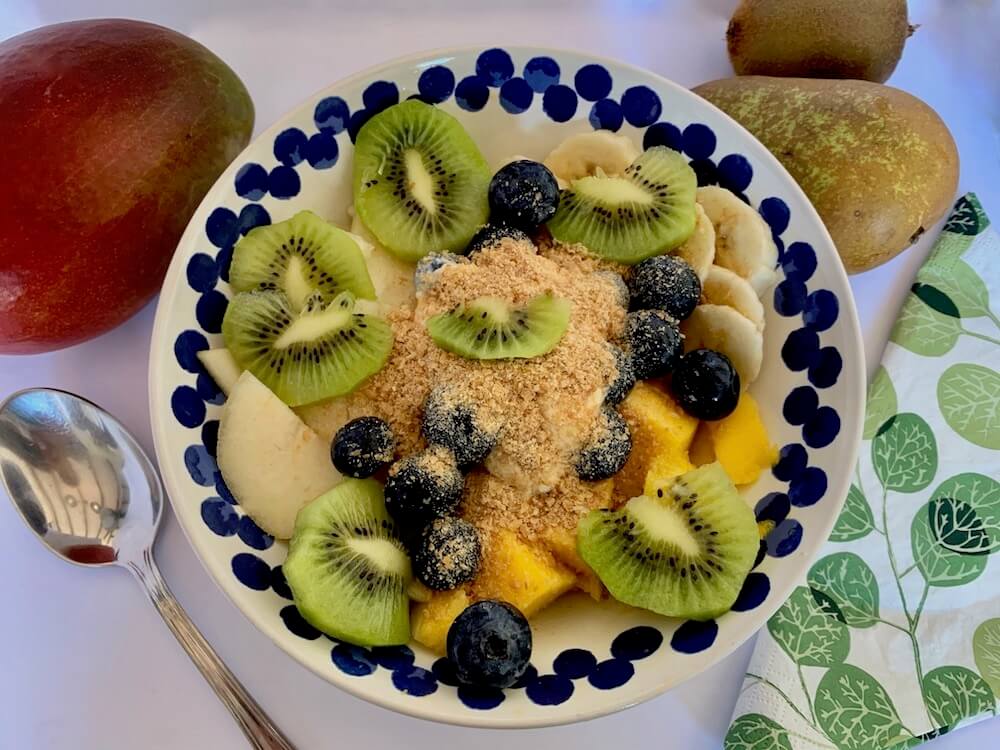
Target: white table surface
x: 84, y: 661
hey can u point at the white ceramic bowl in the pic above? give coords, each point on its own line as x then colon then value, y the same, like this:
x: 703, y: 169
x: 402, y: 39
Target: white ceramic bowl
x: 588, y: 659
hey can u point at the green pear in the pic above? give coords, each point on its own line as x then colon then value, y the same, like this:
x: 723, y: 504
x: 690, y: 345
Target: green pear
x: 878, y: 164
x: 860, y: 39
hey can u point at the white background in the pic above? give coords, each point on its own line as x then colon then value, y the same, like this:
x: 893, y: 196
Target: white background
x: 85, y: 662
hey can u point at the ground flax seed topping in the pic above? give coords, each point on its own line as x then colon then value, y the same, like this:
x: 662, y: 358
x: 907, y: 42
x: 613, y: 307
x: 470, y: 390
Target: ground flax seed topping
x: 544, y: 407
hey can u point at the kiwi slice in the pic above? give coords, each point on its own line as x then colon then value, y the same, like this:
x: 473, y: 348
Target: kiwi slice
x: 683, y: 552
x: 420, y: 182
x: 300, y: 256
x: 647, y: 210
x: 347, y: 568
x: 490, y: 328
x: 325, y: 350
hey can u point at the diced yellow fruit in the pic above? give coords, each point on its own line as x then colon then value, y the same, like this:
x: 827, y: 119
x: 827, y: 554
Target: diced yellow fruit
x: 525, y: 575
x: 741, y: 442
x: 661, y: 432
x: 665, y: 466
x: 562, y: 544
x: 429, y: 621
x: 702, y: 450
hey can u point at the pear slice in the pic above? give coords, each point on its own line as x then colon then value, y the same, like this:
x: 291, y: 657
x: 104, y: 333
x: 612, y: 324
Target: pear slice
x: 221, y: 366
x: 271, y: 461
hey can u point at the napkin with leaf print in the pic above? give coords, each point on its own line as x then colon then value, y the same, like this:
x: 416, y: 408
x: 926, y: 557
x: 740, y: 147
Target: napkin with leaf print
x: 894, y: 635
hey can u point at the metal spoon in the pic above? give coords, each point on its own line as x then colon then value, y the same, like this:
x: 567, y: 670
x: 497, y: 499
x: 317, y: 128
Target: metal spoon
x: 92, y: 496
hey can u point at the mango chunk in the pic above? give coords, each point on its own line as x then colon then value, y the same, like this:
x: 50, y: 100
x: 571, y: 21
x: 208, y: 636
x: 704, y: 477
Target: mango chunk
x: 527, y: 576
x: 741, y: 443
x: 430, y: 620
x: 661, y: 433
x: 702, y: 450
x: 562, y: 544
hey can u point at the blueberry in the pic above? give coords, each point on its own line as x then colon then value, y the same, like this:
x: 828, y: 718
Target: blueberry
x: 427, y: 265
x: 423, y: 486
x: 524, y: 194
x: 362, y: 446
x: 446, y: 554
x: 491, y: 235
x: 624, y: 377
x: 490, y: 644
x: 607, y: 450
x: 706, y: 384
x: 453, y: 421
x: 665, y: 283
x: 654, y: 340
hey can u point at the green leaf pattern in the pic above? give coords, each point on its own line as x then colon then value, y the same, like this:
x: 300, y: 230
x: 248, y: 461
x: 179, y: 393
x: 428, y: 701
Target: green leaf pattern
x: 955, y: 693
x: 969, y: 398
x: 938, y: 565
x: 957, y: 527
x: 855, y: 520
x: 850, y: 583
x: 855, y: 711
x: 952, y: 533
x: 881, y: 402
x: 904, y: 453
x: 810, y: 637
x: 986, y: 651
x: 756, y: 732
x: 923, y: 330
x: 962, y: 285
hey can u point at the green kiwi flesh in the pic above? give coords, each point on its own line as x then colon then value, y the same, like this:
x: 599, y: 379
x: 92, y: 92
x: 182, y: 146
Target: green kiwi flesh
x: 325, y: 350
x: 646, y: 211
x: 347, y: 568
x: 301, y: 256
x: 685, y: 552
x: 490, y: 328
x: 420, y: 181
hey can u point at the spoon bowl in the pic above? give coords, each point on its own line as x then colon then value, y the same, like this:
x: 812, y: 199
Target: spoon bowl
x: 78, y: 478
x: 91, y: 495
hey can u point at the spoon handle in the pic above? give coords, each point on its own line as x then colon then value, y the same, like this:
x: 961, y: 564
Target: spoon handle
x: 260, y: 731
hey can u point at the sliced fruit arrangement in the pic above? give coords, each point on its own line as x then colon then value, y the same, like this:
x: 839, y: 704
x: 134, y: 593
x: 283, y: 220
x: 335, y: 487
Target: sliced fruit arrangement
x: 680, y: 541
x: 301, y: 256
x: 683, y: 552
x: 597, y: 153
x: 271, y: 461
x: 324, y: 351
x: 490, y: 328
x: 347, y: 568
x: 648, y: 209
x: 420, y: 182
x: 743, y: 240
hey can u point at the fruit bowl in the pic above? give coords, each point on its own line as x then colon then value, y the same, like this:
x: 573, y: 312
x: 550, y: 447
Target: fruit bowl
x: 589, y: 659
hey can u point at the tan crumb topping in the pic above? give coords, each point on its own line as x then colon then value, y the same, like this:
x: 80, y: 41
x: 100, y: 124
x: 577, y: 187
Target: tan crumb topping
x: 544, y: 407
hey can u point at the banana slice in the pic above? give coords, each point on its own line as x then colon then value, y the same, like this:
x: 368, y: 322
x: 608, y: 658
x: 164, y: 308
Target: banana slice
x: 699, y: 249
x: 588, y: 153
x: 721, y: 328
x: 724, y: 287
x: 742, y: 238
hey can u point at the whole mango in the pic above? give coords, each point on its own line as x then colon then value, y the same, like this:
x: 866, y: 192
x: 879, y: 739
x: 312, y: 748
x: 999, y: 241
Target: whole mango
x: 112, y: 132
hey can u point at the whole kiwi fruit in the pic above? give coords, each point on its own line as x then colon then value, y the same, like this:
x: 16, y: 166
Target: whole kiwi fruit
x: 858, y: 39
